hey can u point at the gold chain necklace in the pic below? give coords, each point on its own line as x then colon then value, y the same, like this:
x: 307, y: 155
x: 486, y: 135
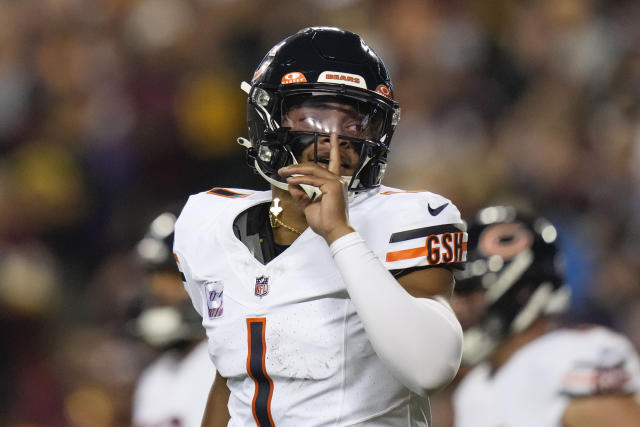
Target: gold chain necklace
x: 274, y: 221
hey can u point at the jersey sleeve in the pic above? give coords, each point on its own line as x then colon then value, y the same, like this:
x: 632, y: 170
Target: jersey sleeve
x: 422, y: 230
x: 190, y: 285
x: 606, y: 363
x: 181, y: 247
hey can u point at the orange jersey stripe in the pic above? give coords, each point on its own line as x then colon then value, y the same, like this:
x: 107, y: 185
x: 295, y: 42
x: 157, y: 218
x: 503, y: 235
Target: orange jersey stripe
x: 388, y: 192
x: 406, y: 254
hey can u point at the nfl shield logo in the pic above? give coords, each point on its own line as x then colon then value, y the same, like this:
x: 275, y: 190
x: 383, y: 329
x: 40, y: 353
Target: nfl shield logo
x: 262, y: 286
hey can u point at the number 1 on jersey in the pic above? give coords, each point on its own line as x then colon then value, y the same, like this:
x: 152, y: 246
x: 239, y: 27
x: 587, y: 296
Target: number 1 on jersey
x: 261, y: 404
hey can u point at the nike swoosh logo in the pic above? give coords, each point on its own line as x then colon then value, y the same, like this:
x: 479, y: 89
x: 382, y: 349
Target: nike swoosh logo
x: 437, y: 210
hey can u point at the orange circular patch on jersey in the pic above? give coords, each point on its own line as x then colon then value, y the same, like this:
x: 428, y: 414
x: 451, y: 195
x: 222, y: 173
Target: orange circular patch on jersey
x: 384, y: 91
x: 293, y: 77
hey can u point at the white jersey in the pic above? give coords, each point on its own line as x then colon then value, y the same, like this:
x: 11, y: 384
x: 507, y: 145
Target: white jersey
x: 173, y: 390
x: 535, y: 386
x: 285, y: 334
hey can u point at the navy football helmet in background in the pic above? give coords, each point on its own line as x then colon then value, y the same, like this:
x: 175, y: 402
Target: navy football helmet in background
x: 164, y: 317
x: 514, y: 259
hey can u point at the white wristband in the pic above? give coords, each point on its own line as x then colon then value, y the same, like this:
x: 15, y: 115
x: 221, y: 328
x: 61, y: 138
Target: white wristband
x: 419, y: 339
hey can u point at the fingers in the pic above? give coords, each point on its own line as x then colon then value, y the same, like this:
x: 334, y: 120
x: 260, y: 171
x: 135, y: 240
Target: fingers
x: 306, y: 169
x: 325, y: 186
x: 316, y: 181
x: 300, y: 176
x: 334, y: 154
x: 299, y: 195
x: 312, y: 175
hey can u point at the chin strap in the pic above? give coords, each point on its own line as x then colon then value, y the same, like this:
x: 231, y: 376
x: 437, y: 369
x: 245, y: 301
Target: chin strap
x: 312, y: 192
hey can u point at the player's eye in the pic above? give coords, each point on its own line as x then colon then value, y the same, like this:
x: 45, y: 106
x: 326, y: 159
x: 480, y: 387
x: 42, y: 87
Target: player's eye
x: 353, y: 128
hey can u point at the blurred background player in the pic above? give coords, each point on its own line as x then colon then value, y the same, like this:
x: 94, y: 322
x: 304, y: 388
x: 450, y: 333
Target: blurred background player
x: 528, y: 371
x: 321, y: 300
x: 172, y: 391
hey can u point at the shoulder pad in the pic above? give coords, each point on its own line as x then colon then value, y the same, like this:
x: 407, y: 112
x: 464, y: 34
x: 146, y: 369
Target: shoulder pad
x: 599, y: 361
x: 420, y: 229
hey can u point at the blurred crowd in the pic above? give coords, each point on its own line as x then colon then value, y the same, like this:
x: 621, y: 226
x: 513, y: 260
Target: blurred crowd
x: 112, y: 111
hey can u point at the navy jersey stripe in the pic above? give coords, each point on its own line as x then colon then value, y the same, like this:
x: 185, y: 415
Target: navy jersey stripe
x: 226, y: 193
x: 255, y: 366
x: 423, y: 232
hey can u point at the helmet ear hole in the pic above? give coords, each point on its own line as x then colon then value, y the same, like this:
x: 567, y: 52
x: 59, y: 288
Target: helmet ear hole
x: 272, y: 154
x: 265, y: 153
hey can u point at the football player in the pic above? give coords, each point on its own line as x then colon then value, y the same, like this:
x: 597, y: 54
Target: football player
x: 527, y: 371
x: 325, y: 298
x: 172, y: 390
